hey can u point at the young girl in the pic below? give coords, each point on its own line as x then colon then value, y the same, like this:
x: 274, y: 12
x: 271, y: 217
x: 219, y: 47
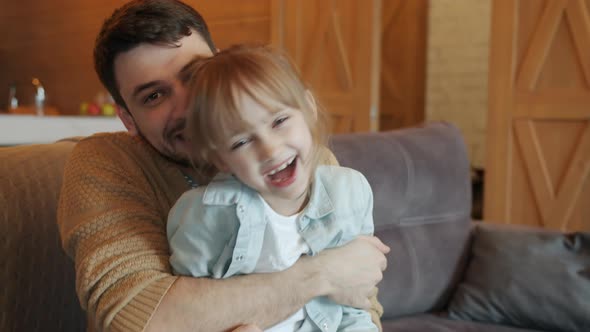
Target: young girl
x: 256, y: 132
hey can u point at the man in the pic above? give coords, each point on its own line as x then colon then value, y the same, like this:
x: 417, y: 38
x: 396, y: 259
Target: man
x: 118, y: 189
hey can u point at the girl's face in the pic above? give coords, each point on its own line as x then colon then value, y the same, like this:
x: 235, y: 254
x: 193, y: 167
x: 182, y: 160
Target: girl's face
x: 272, y: 155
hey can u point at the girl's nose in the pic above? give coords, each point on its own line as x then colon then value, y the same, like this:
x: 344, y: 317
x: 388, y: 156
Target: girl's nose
x: 268, y: 148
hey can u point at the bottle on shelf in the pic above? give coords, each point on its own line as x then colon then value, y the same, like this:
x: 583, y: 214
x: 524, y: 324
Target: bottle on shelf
x: 12, y: 100
x: 39, y: 97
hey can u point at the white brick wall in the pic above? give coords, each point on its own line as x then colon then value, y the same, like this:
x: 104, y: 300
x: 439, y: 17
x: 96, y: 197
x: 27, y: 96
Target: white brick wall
x: 457, y: 69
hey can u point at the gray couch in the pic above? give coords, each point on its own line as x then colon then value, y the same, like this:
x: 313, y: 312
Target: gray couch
x: 445, y: 272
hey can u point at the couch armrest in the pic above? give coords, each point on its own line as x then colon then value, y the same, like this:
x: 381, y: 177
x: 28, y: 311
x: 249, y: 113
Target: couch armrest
x: 37, y: 277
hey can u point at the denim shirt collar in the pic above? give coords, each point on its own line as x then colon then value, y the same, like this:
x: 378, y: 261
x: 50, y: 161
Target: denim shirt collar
x: 320, y: 203
x: 225, y: 189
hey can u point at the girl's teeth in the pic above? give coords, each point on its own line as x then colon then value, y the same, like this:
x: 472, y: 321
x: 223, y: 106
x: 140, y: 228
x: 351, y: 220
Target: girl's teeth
x: 282, y: 167
x: 279, y: 169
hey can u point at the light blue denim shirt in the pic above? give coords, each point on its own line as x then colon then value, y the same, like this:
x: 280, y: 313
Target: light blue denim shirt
x: 217, y: 231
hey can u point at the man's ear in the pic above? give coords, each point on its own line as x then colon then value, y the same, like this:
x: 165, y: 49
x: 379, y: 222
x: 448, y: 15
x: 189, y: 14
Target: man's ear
x: 311, y: 102
x: 127, y: 119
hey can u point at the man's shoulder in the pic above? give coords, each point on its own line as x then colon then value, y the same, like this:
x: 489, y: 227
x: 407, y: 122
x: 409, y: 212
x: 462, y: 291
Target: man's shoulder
x: 118, y: 152
x: 117, y: 145
x: 111, y: 140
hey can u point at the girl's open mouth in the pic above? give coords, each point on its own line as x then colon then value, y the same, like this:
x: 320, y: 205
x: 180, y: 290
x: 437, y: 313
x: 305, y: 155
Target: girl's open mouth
x: 283, y: 175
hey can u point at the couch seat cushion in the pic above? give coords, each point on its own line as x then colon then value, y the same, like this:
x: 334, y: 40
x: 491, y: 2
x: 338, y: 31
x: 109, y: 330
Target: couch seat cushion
x: 433, y: 323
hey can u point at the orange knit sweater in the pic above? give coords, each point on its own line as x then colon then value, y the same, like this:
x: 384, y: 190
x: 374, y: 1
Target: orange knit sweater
x: 116, y: 194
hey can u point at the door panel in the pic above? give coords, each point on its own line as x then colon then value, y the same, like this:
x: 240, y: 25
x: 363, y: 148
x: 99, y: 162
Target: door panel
x: 403, y: 63
x: 336, y: 45
x: 538, y: 163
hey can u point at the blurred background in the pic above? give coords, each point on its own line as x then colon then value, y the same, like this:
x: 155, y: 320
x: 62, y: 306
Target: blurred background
x: 513, y: 75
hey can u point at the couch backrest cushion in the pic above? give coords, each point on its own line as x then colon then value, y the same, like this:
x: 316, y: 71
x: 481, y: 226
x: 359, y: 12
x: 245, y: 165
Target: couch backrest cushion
x: 422, y: 201
x: 37, y: 278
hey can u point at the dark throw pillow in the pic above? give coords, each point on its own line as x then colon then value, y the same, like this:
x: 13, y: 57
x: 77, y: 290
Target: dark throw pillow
x: 526, y: 277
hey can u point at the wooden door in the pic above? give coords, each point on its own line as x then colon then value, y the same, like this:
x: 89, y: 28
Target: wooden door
x: 403, y: 63
x: 336, y: 45
x: 538, y: 144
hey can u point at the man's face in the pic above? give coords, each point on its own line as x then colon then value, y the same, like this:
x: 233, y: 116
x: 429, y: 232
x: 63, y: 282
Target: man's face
x: 157, y: 100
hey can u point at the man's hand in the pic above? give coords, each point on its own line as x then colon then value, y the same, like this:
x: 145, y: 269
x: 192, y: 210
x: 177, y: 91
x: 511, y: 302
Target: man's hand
x: 353, y: 270
x: 346, y: 274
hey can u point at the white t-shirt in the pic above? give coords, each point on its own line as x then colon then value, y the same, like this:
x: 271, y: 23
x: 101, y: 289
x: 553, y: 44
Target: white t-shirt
x: 281, y: 248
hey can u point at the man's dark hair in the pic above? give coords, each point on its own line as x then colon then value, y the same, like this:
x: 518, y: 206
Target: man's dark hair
x: 143, y: 21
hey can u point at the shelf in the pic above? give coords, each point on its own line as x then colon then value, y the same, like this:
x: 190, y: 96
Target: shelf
x: 29, y: 129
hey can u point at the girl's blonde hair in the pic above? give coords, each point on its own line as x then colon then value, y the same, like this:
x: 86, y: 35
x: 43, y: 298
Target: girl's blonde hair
x: 216, y: 83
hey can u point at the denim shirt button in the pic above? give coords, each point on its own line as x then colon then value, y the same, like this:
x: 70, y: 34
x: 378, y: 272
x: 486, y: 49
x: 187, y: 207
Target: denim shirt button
x: 239, y: 258
x: 325, y: 326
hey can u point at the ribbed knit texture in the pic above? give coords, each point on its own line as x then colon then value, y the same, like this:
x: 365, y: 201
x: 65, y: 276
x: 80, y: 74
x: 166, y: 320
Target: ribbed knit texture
x: 138, y: 311
x: 115, y: 199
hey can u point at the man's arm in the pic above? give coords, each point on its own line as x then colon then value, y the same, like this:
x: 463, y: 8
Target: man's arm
x: 347, y: 274
x: 112, y: 225
x: 112, y: 229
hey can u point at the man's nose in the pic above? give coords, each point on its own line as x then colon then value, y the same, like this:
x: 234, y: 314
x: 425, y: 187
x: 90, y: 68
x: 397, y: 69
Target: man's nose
x: 182, y: 100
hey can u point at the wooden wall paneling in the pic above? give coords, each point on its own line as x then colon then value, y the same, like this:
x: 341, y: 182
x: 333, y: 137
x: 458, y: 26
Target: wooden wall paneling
x: 336, y: 46
x: 232, y: 22
x: 539, y: 46
x: 556, y: 200
x: 54, y: 40
x: 497, y: 197
x: 538, y: 165
x: 403, y: 67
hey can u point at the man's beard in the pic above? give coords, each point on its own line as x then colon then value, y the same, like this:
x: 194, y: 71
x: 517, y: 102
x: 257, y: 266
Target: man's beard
x: 169, y: 149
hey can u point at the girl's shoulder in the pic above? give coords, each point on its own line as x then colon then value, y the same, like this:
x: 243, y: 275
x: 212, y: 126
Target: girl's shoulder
x: 339, y: 175
x: 341, y: 182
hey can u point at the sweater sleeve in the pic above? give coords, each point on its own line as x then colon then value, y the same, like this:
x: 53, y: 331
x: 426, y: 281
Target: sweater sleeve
x: 110, y: 225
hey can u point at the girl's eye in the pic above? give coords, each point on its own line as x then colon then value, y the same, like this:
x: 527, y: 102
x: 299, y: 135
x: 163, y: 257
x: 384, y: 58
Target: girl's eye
x: 239, y: 144
x: 280, y: 121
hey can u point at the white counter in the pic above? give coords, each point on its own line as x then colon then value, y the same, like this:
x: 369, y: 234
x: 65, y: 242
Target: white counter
x: 29, y: 129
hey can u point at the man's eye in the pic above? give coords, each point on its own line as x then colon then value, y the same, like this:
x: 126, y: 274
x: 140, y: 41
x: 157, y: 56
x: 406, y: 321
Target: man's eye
x: 152, y: 97
x: 280, y: 121
x: 239, y: 144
